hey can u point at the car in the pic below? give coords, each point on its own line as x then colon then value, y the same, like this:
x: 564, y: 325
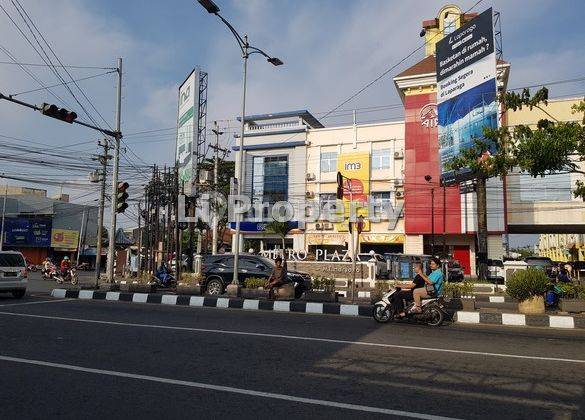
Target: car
x: 218, y: 271
x: 495, y: 271
x: 13, y: 273
x: 455, y: 272
x: 541, y: 263
x: 381, y: 264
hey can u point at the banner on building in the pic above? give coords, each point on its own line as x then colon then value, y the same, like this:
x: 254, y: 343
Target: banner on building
x: 27, y: 232
x: 187, y: 130
x: 466, y: 89
x: 64, y: 239
x: 356, y: 168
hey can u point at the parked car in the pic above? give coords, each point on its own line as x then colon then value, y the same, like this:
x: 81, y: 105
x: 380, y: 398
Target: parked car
x: 495, y: 271
x: 455, y: 272
x: 381, y: 265
x: 541, y: 263
x: 13, y: 273
x: 218, y: 271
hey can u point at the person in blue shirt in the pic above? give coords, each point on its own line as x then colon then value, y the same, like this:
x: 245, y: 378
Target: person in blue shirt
x: 435, y: 279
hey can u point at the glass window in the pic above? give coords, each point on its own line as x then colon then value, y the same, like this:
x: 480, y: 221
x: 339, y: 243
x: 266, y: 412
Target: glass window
x: 269, y: 179
x: 381, y: 159
x: 328, y: 161
x: 449, y: 23
x: 11, y: 260
x: 381, y: 201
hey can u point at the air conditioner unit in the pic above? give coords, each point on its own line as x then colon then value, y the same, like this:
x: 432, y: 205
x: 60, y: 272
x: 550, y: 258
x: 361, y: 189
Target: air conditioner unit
x: 399, y: 194
x: 327, y: 226
x: 319, y: 226
x: 399, y: 154
x: 310, y: 177
x: 310, y: 194
x: 399, y: 183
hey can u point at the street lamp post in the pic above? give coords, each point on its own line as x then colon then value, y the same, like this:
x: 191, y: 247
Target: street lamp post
x: 429, y: 178
x: 247, y: 50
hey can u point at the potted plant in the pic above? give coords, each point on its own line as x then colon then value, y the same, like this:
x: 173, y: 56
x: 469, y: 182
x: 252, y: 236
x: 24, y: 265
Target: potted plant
x: 528, y: 286
x: 190, y: 284
x: 572, y: 297
x: 460, y: 295
x: 254, y: 288
x: 323, y: 290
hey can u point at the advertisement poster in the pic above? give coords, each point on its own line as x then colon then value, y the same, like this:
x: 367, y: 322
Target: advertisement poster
x: 466, y: 87
x: 186, y: 128
x: 64, y: 239
x: 27, y: 232
x: 356, y: 167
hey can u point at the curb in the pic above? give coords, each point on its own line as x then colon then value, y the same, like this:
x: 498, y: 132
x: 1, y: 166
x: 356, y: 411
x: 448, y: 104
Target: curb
x: 460, y: 317
x: 219, y: 302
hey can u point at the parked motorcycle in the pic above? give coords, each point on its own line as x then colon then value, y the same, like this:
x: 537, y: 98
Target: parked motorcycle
x: 70, y: 277
x: 165, y: 280
x: 433, y: 313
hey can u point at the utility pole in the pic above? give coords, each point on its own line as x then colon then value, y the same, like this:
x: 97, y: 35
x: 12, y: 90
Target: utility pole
x: 139, y: 256
x: 216, y: 186
x: 100, y: 232
x: 114, y: 199
x: 178, y: 231
x: 3, y: 216
x: 482, y: 231
x: 81, y: 240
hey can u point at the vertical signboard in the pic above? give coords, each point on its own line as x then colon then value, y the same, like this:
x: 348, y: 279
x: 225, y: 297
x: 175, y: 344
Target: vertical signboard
x: 356, y: 167
x: 187, y: 131
x: 466, y: 89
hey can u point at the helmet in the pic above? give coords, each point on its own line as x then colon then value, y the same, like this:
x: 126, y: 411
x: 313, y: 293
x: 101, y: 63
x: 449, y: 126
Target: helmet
x: 66, y: 258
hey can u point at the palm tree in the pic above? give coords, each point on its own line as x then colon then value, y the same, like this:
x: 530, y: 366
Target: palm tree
x: 280, y: 228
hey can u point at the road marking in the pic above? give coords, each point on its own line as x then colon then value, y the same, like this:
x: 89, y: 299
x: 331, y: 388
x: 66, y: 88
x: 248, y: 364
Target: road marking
x: 297, y: 337
x: 37, y: 302
x: 233, y: 390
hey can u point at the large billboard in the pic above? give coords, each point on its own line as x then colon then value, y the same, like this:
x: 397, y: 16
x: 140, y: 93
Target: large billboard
x: 356, y: 167
x: 187, y: 130
x: 22, y: 231
x: 64, y: 239
x: 466, y: 88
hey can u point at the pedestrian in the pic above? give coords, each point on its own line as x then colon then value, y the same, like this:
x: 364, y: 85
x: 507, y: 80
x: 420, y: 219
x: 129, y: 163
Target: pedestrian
x: 277, y: 277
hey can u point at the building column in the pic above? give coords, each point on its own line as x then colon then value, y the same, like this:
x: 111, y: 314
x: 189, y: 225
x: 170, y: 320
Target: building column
x: 414, y: 244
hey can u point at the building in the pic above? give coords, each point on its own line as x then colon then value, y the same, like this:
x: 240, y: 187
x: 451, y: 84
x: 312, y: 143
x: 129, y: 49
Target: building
x: 562, y: 247
x: 40, y: 227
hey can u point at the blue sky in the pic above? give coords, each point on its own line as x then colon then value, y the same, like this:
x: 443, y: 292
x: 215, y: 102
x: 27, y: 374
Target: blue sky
x: 330, y: 48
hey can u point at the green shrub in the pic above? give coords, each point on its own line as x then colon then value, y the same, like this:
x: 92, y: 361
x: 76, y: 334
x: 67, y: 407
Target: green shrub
x: 457, y: 290
x: 524, y: 284
x: 571, y: 291
x: 326, y: 284
x: 191, y: 278
x: 254, y: 282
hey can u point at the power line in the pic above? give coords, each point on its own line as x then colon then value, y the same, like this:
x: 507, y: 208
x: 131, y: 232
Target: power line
x: 60, y: 66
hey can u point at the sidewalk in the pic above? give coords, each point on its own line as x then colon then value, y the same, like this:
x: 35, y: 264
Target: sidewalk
x: 483, y: 316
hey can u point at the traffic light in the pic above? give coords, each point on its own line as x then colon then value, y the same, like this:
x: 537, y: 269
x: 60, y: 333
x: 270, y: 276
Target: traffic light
x: 339, y: 186
x: 121, y: 197
x: 62, y: 114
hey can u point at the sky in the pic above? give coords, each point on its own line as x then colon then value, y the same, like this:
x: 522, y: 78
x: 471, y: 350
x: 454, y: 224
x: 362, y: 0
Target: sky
x: 331, y: 48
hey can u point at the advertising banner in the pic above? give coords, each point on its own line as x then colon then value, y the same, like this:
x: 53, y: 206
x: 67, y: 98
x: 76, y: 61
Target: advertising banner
x: 187, y: 121
x: 356, y: 167
x: 64, y: 239
x: 27, y: 232
x: 466, y: 88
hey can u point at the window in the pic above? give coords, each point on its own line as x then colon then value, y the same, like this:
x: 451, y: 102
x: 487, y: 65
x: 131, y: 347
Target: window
x: 328, y: 161
x: 381, y: 159
x: 12, y: 260
x: 381, y: 202
x: 449, y: 23
x: 269, y: 179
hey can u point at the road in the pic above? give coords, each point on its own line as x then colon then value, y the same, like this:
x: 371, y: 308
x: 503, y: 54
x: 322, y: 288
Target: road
x: 94, y: 359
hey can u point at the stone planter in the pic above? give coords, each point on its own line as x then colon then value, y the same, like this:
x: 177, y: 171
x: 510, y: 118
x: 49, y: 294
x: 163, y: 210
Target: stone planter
x: 468, y: 303
x: 572, y: 305
x: 254, y: 293
x: 188, y: 289
x: 140, y: 288
x: 319, y: 296
x: 460, y: 304
x: 532, y: 306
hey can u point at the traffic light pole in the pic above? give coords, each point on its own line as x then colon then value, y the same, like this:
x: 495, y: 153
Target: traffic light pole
x: 98, y: 256
x: 114, y: 197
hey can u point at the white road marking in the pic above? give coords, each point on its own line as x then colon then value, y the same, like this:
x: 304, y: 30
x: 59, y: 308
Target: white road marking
x: 36, y: 302
x: 233, y: 390
x: 296, y: 337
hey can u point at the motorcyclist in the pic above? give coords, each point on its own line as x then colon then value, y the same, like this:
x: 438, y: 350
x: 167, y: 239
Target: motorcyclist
x: 65, y: 267
x: 406, y: 291
x: 47, y: 263
x: 434, y: 279
x: 163, y: 274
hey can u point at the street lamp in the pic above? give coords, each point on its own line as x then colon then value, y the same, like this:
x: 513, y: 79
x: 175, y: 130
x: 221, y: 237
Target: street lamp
x: 247, y: 50
x: 429, y: 178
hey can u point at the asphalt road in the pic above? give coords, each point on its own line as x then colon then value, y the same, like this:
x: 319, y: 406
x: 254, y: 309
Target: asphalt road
x: 72, y: 359
x: 37, y: 285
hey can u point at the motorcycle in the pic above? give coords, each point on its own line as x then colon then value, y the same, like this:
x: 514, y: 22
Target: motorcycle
x: 71, y: 276
x: 49, y: 273
x: 165, y: 280
x: 433, y: 313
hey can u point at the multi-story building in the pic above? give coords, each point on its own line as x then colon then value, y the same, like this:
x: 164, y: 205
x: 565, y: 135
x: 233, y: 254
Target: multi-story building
x: 562, y: 247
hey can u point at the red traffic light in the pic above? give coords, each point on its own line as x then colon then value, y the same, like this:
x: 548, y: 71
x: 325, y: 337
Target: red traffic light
x: 123, y: 186
x: 53, y: 111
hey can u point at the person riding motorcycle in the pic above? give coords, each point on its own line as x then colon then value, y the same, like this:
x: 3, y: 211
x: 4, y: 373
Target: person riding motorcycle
x: 163, y: 274
x: 65, y: 267
x: 406, y: 291
x: 434, y: 279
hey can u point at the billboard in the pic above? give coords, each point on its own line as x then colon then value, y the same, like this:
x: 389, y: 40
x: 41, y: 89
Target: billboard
x: 355, y: 166
x: 64, y: 239
x: 27, y: 232
x: 466, y: 87
x: 187, y: 130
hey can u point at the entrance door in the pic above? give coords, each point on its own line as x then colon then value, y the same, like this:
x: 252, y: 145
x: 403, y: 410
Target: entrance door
x: 461, y: 253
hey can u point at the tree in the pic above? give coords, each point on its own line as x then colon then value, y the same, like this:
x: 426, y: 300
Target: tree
x: 280, y: 228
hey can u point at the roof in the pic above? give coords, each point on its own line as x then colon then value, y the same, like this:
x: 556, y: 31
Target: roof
x: 427, y: 65
x: 304, y: 114
x: 122, y: 238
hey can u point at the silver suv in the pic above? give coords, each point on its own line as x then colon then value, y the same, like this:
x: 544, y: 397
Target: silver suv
x: 13, y: 273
